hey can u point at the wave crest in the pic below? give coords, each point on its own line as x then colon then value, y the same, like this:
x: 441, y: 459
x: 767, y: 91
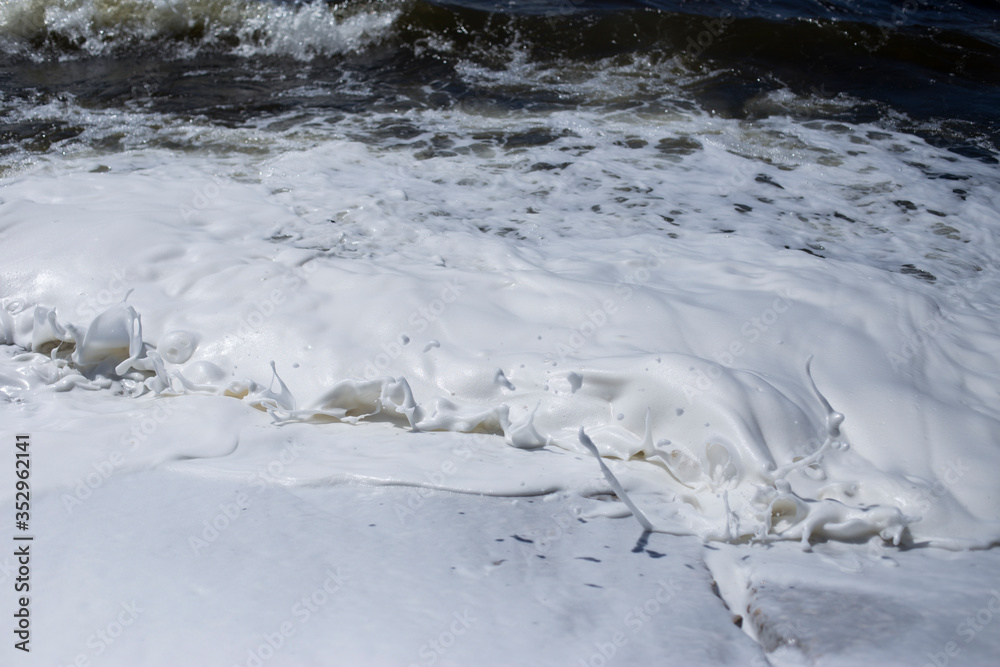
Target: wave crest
x: 41, y: 29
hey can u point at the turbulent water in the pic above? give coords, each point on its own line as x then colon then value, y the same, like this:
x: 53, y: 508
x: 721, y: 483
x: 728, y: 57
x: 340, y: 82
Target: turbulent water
x: 524, y: 218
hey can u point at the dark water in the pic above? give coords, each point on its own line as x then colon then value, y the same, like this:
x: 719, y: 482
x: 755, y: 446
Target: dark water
x: 929, y: 68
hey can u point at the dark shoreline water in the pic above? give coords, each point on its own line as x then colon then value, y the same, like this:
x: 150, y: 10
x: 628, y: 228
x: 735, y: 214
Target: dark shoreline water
x: 933, y: 70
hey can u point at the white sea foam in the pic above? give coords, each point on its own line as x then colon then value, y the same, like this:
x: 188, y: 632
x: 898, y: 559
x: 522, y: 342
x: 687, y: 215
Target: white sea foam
x: 525, y: 293
x: 257, y: 354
